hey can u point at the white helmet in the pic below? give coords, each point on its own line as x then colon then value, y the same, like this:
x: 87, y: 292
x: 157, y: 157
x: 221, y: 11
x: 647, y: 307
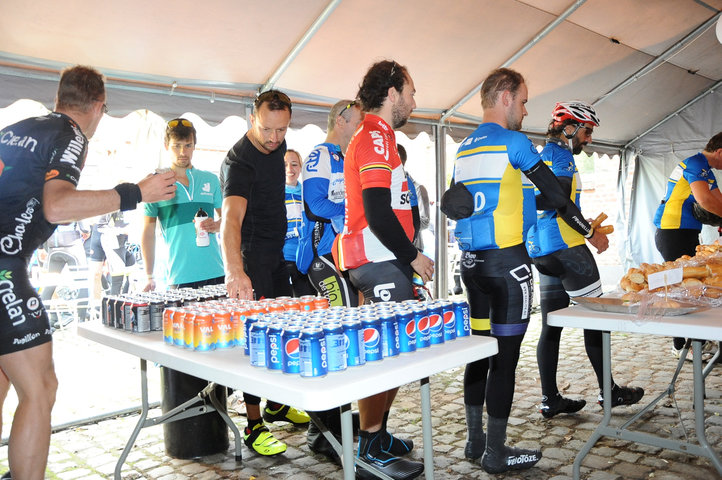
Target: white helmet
x: 579, y: 111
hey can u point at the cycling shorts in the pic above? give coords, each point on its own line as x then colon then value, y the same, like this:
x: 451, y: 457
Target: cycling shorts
x: 383, y: 281
x: 23, y: 319
x: 499, y: 286
x: 575, y: 267
x: 330, y: 283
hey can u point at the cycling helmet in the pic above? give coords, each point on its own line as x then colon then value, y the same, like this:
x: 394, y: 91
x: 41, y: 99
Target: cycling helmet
x: 579, y: 111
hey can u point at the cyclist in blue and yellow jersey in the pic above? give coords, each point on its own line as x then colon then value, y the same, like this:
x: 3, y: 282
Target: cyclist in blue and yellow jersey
x: 492, y: 197
x: 294, y: 218
x: 565, y: 264
x: 691, y: 181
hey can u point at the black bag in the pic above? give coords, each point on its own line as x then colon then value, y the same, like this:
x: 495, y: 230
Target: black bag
x: 705, y: 216
x: 457, y: 202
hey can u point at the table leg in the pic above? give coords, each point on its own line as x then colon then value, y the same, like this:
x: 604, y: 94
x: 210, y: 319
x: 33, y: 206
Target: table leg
x: 221, y: 411
x: 699, y: 405
x: 426, y: 428
x: 347, y: 442
x: 141, y: 419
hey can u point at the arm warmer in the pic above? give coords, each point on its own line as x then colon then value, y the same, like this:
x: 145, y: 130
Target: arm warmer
x: 541, y: 201
x: 549, y: 186
x: 384, y: 224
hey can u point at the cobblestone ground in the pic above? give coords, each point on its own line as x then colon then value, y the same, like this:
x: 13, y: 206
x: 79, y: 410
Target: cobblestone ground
x: 96, y: 380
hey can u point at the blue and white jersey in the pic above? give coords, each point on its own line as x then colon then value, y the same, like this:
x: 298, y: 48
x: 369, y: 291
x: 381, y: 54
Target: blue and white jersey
x: 294, y: 212
x: 551, y: 233
x: 323, y: 195
x: 490, y: 163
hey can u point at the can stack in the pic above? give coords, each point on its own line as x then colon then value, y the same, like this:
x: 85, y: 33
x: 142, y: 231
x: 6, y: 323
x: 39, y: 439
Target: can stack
x: 296, y: 336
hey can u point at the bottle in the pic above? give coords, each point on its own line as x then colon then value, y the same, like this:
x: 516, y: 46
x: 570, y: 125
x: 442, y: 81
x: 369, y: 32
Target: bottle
x: 202, y: 239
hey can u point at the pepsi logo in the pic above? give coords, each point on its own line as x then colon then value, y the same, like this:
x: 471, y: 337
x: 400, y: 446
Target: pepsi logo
x: 449, y: 319
x: 423, y: 325
x: 411, y: 330
x: 371, y: 337
x: 435, y: 323
x: 292, y: 347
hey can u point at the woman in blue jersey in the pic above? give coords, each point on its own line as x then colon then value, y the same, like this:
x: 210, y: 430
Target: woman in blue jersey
x: 495, y: 172
x: 565, y: 264
x: 294, y: 210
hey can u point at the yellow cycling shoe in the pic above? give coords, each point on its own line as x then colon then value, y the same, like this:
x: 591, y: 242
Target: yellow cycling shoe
x: 262, y: 441
x: 286, y: 414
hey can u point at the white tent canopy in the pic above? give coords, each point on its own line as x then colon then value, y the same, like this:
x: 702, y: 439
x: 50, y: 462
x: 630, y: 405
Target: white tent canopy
x: 646, y: 66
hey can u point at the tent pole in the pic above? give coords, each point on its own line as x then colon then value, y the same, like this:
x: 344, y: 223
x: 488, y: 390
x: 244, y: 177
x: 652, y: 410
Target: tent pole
x: 441, y: 234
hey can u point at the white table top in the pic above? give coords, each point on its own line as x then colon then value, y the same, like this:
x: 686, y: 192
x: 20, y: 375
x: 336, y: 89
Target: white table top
x: 705, y: 325
x: 232, y: 368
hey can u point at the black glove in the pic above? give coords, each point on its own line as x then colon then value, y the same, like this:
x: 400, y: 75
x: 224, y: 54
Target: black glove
x: 457, y: 202
x: 705, y: 216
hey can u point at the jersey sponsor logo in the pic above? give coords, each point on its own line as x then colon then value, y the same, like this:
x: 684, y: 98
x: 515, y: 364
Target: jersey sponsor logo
x: 13, y: 243
x: 74, y: 149
x: 12, y: 304
x: 10, y: 139
x: 331, y: 289
x: 405, y: 198
x: 2, y: 166
x: 468, y: 259
x: 378, y: 140
x: 311, y: 164
x: 206, y: 187
x: 26, y: 339
x: 51, y: 174
x: 382, y: 291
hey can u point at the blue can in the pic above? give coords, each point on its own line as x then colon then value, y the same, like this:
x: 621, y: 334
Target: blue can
x: 373, y: 341
x: 447, y: 313
x: 247, y: 326
x: 312, y: 350
x: 390, y: 337
x: 354, y: 341
x: 274, y: 346
x: 423, y: 333
x: 290, y: 346
x: 335, y: 346
x: 462, y: 318
x: 258, y: 344
x: 436, y: 324
x: 407, y: 331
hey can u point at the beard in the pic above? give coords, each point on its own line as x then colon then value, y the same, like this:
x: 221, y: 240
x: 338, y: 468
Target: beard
x: 578, y: 148
x: 399, y: 115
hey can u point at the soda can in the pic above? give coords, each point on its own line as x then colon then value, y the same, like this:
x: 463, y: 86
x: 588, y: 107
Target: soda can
x: 238, y: 319
x: 203, y: 331
x: 178, y: 326
x: 447, y: 313
x: 373, y: 341
x: 223, y: 328
x: 335, y: 346
x: 168, y: 325
x: 189, y: 320
x: 306, y: 302
x: 312, y: 352
x: 290, y: 347
x: 274, y: 346
x: 258, y: 344
x: 127, y: 314
x: 462, y: 318
x: 104, y: 310
x: 247, y: 329
x: 423, y: 332
x: 436, y: 324
x: 141, y: 316
x: 407, y: 331
x: 320, y: 303
x: 390, y: 339
x: 354, y: 341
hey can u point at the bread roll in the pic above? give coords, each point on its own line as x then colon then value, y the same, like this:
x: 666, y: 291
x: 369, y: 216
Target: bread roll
x: 695, y: 272
x: 629, y: 286
x: 598, y: 221
x: 691, y: 281
x: 605, y: 229
x: 636, y: 275
x: 715, y: 281
x: 631, y: 297
x: 714, y: 269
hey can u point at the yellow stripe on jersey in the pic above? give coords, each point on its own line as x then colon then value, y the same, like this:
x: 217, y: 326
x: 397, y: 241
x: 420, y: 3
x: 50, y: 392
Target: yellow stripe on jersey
x: 374, y: 166
x: 485, y: 148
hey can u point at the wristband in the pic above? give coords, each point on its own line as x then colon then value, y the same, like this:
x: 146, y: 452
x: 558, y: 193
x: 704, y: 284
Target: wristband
x: 130, y: 195
x: 590, y: 234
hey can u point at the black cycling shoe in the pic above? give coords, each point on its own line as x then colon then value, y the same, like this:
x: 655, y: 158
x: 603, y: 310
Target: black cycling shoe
x: 394, y: 445
x: 6, y: 476
x: 510, y: 458
x: 623, y: 396
x: 369, y: 450
x: 560, y: 405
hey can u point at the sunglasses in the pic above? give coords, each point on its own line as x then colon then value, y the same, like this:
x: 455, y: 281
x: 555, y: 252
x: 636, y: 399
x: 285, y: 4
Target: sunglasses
x: 271, y: 95
x: 350, y: 105
x: 180, y: 121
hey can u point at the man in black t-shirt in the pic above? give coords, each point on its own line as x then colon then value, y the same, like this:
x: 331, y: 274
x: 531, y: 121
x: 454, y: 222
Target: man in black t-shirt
x: 253, y: 179
x: 40, y: 163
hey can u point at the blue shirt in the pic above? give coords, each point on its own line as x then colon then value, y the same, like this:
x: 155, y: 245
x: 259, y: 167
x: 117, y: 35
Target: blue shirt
x: 294, y: 210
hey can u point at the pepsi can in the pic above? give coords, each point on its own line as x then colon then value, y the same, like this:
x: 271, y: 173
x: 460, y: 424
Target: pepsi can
x: 390, y: 337
x: 335, y: 346
x: 407, y: 331
x: 258, y: 344
x: 436, y: 324
x: 354, y: 341
x: 462, y: 318
x: 373, y: 342
x: 290, y: 347
x: 447, y: 313
x: 312, y: 352
x: 275, y: 346
x: 249, y: 323
x: 423, y: 333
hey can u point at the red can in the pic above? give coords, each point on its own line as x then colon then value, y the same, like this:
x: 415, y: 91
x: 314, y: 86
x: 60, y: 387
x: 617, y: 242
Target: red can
x: 320, y: 303
x: 306, y: 302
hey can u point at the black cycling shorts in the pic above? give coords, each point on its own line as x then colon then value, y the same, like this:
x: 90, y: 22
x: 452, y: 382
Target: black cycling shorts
x: 575, y: 267
x: 672, y: 243
x: 383, y: 281
x: 330, y: 283
x: 499, y: 286
x: 23, y: 319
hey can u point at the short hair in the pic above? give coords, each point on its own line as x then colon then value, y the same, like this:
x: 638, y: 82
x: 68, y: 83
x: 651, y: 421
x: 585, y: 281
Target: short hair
x: 714, y: 144
x: 276, y: 100
x: 180, y: 128
x: 339, y: 109
x: 290, y: 150
x: 498, y: 81
x: 402, y: 153
x: 375, y: 85
x: 79, y: 88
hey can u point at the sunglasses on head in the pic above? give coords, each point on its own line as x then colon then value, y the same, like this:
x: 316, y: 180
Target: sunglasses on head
x: 270, y: 96
x: 180, y: 121
x: 343, y: 110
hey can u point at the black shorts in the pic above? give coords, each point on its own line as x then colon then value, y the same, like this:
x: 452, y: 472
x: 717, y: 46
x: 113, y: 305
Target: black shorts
x: 499, y: 286
x: 23, y: 319
x: 383, y: 282
x: 330, y: 283
x: 93, y: 247
x: 673, y: 243
x: 575, y: 267
x: 268, y: 274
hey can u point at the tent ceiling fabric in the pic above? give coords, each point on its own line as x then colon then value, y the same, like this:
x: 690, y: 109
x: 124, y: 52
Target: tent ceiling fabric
x: 231, y: 48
